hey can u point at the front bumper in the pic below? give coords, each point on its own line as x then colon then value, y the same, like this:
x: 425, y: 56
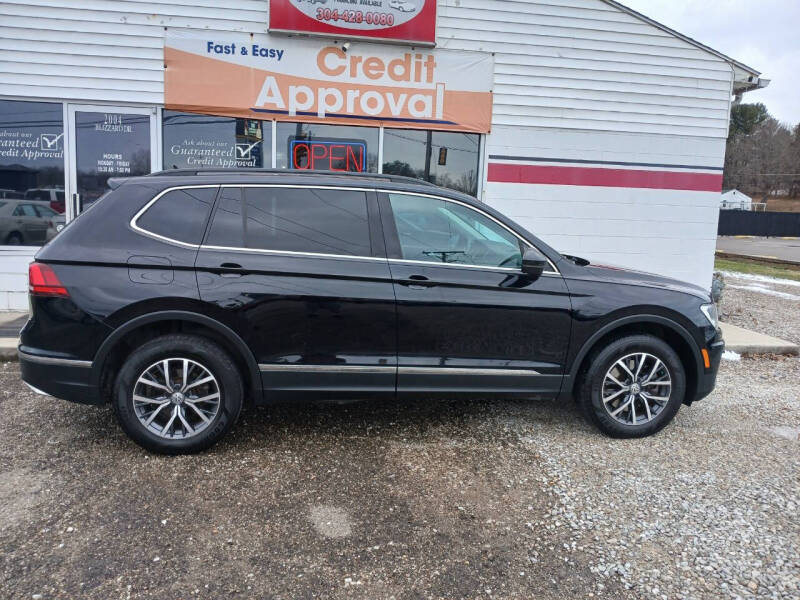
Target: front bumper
x: 63, y: 378
x: 708, y: 377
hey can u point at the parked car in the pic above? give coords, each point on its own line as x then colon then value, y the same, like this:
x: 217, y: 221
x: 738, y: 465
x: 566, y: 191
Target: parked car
x: 402, y: 5
x: 11, y: 194
x: 53, y: 196
x: 28, y: 223
x: 182, y: 295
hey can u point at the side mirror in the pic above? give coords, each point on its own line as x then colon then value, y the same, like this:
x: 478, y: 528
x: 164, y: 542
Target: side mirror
x: 533, y: 263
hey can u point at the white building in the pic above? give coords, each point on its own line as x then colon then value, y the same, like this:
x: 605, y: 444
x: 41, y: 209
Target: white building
x: 606, y: 136
x: 735, y: 200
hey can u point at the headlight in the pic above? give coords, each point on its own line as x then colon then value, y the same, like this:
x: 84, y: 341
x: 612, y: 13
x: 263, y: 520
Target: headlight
x: 710, y: 311
x: 59, y: 227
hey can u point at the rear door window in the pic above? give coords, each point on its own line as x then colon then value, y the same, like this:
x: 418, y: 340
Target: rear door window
x: 179, y: 214
x: 321, y: 221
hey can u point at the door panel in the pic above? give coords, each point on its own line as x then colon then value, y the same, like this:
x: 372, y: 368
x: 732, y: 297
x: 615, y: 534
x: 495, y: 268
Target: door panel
x: 314, y: 324
x: 470, y: 327
x: 316, y: 321
x: 478, y: 319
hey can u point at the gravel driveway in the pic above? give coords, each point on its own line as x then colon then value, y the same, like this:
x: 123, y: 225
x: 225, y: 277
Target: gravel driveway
x: 462, y: 499
x: 764, y: 304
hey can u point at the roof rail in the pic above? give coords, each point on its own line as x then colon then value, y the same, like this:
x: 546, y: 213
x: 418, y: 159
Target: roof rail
x: 267, y: 171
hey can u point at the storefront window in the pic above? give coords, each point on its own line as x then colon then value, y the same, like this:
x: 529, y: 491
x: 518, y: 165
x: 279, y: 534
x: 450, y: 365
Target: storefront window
x: 444, y: 158
x: 194, y: 141
x: 31, y: 171
x: 327, y: 147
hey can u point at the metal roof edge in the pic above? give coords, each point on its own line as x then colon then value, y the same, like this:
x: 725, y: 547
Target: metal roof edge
x: 685, y: 38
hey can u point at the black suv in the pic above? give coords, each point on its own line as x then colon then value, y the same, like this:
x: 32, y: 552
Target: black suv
x: 181, y: 295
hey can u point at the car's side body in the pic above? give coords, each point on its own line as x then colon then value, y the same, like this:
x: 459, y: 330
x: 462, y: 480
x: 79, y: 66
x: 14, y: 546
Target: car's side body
x: 306, y: 325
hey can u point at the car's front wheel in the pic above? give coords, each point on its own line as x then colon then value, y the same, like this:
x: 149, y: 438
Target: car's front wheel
x: 633, y: 387
x: 178, y: 394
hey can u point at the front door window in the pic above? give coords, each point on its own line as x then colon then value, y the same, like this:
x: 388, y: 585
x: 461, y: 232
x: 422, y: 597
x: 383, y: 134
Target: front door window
x: 440, y: 231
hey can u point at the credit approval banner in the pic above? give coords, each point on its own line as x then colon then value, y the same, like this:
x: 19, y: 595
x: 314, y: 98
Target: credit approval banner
x: 406, y: 21
x: 311, y: 80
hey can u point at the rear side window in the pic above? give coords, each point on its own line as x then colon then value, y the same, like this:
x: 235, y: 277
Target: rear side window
x: 293, y: 220
x: 25, y: 210
x: 179, y: 214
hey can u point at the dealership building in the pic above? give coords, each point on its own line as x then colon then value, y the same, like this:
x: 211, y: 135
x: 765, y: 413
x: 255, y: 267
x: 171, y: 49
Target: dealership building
x: 595, y: 127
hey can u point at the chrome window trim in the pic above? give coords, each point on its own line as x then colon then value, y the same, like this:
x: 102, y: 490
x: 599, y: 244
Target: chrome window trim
x: 50, y: 360
x: 141, y: 230
x: 464, y: 266
x: 291, y: 253
x: 553, y: 270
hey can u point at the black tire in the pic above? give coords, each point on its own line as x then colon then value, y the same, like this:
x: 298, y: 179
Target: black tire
x: 14, y: 239
x: 178, y: 346
x: 590, y: 395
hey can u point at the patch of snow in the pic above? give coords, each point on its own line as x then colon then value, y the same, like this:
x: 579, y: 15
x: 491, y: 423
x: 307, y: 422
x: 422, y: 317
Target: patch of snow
x: 731, y: 355
x: 764, y: 290
x: 784, y: 431
x: 760, y: 278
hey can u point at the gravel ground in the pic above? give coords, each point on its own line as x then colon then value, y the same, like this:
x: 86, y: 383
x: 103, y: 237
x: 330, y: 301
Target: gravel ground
x: 764, y: 304
x: 461, y: 499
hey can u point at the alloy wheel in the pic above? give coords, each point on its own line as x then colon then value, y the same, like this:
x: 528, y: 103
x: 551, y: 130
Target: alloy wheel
x: 176, y: 398
x: 636, y: 388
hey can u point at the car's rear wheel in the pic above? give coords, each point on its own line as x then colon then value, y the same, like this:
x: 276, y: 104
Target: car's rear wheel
x: 633, y: 387
x: 178, y: 394
x: 14, y: 239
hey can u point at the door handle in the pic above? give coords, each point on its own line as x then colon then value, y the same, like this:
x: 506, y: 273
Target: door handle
x: 229, y: 265
x: 418, y: 286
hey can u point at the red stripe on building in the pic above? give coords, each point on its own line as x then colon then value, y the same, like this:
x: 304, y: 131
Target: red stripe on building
x: 593, y: 176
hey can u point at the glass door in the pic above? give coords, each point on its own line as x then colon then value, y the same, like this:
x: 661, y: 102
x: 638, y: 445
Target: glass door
x: 107, y: 141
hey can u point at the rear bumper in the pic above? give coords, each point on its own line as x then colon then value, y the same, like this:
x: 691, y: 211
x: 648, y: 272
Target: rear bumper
x: 708, y: 378
x: 63, y: 378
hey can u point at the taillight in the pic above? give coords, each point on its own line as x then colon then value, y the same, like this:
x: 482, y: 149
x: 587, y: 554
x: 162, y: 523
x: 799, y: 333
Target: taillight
x: 43, y: 281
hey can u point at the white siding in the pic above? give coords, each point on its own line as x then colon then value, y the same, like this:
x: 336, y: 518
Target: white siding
x: 104, y: 50
x: 583, y: 64
x: 576, y: 64
x: 14, y: 277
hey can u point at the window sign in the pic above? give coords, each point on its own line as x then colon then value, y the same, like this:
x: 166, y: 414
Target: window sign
x: 195, y: 141
x: 328, y: 155
x: 327, y: 147
x: 31, y: 157
x: 109, y: 144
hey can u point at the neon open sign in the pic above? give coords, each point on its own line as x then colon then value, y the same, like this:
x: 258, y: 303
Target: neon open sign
x: 328, y: 155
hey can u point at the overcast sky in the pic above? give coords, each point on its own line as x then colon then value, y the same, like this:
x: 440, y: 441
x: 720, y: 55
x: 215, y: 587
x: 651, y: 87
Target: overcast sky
x: 763, y: 34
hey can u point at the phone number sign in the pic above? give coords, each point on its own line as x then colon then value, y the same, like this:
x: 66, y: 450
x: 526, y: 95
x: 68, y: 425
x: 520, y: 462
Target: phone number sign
x: 404, y: 21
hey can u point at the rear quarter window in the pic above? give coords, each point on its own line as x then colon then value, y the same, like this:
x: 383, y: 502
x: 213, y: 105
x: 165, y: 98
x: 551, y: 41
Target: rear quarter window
x: 179, y: 214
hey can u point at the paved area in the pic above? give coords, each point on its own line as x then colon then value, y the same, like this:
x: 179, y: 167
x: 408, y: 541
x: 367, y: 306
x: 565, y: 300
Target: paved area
x: 453, y: 499
x: 745, y: 341
x: 778, y: 248
x: 764, y: 304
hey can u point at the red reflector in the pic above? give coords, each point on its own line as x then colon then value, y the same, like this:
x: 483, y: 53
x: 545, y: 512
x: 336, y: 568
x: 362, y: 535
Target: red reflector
x: 42, y: 281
